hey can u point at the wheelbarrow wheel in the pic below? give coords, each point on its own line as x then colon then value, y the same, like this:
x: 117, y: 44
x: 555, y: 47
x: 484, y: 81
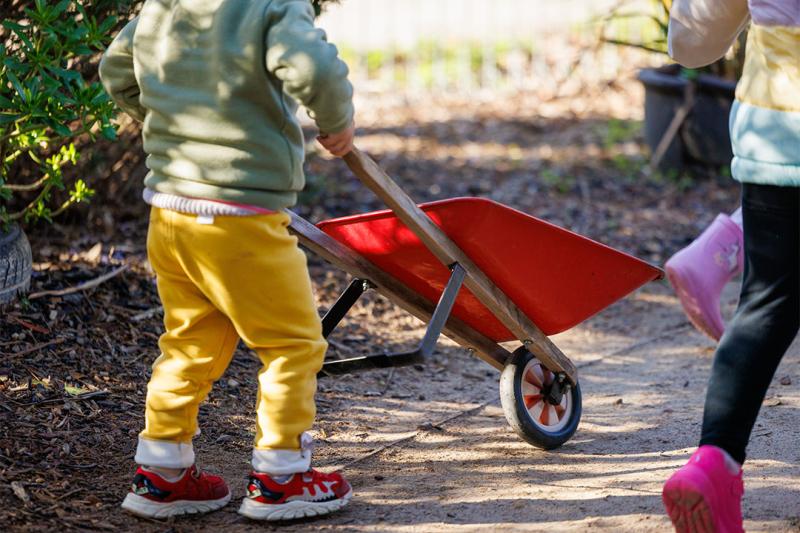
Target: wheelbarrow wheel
x: 542, y: 410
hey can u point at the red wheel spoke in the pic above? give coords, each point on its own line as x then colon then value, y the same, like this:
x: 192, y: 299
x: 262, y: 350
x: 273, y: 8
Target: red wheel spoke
x: 560, y: 412
x: 544, y: 418
x: 548, y: 376
x: 531, y: 400
x: 532, y: 378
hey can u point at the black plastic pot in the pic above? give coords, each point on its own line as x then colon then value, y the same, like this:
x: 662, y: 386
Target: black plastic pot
x: 15, y: 263
x: 704, y: 137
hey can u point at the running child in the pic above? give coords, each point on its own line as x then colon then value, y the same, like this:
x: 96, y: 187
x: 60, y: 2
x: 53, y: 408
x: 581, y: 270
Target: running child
x: 706, y: 493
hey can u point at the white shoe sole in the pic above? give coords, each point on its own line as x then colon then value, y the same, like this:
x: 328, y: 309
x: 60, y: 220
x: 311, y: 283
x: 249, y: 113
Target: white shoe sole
x: 140, y: 506
x: 291, y: 510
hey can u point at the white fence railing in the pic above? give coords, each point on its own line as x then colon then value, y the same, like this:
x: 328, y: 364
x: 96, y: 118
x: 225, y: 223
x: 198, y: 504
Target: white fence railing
x: 472, y: 45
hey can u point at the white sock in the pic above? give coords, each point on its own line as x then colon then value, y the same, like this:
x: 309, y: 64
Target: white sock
x: 736, y: 217
x: 281, y: 479
x: 160, y: 473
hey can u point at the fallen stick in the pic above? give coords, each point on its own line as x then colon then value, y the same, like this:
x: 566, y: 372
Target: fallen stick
x: 78, y: 398
x: 388, y: 381
x: 28, y: 325
x: 147, y: 314
x: 681, y: 114
x: 82, y: 287
x: 635, y: 346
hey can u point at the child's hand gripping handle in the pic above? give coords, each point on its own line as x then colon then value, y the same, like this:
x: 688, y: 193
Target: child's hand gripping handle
x: 338, y: 144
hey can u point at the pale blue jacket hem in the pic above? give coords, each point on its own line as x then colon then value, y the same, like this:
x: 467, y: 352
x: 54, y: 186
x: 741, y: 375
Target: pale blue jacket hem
x: 766, y: 145
x: 761, y: 173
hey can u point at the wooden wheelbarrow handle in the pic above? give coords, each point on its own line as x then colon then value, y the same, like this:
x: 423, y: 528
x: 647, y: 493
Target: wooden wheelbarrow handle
x: 448, y: 253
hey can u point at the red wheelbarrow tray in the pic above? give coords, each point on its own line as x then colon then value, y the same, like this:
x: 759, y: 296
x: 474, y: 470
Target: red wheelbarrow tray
x: 556, y: 277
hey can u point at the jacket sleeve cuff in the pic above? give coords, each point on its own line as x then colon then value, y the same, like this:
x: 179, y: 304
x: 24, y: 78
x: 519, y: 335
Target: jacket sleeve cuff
x: 335, y: 126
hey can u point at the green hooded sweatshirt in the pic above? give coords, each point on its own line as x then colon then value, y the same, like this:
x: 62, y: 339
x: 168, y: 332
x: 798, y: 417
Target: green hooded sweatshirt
x: 217, y: 85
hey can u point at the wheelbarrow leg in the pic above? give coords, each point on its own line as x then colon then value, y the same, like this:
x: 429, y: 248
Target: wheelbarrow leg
x: 426, y: 346
x: 345, y: 302
x: 442, y: 311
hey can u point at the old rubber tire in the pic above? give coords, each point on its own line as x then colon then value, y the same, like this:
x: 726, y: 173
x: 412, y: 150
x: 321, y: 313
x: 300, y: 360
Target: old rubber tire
x: 15, y: 263
x: 523, y: 408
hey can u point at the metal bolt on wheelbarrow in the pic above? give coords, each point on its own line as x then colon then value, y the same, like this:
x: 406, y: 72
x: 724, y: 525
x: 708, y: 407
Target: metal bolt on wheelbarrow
x: 482, y: 274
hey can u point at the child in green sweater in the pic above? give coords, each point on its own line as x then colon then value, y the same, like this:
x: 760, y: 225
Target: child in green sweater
x: 217, y: 84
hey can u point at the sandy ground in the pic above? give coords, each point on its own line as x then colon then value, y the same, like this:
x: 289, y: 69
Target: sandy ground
x: 643, y: 383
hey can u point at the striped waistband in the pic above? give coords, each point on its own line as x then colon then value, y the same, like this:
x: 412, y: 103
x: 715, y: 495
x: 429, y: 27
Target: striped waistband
x: 201, y: 207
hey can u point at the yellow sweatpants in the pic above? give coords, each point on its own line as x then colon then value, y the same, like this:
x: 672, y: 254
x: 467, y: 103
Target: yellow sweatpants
x: 236, y: 277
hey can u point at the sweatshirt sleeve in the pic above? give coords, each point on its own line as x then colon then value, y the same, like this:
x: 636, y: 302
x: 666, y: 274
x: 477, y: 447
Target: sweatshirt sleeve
x: 299, y: 55
x: 116, y: 72
x: 702, y: 31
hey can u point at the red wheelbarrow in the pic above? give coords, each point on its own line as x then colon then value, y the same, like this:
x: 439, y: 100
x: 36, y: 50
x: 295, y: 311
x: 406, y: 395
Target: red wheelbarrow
x: 481, y: 273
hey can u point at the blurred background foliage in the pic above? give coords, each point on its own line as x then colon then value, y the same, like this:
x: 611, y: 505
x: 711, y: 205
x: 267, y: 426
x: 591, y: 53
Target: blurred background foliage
x: 59, y: 142
x: 651, y: 19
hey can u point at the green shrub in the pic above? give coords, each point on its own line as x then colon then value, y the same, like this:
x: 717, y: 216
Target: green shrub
x: 51, y: 102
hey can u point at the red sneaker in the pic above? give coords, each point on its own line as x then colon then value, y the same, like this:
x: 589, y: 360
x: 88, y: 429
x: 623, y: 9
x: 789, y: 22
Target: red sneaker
x: 195, y: 492
x: 303, y: 495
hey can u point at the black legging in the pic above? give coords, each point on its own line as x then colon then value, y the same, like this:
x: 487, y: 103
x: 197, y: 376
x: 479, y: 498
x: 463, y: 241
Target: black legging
x: 766, y: 321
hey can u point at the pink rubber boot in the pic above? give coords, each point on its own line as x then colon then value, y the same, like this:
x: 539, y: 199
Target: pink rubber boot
x: 700, y: 271
x: 703, y: 496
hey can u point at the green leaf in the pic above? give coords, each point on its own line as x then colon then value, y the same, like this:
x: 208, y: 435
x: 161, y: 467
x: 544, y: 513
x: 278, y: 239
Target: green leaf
x: 109, y: 132
x: 65, y: 74
x: 17, y: 85
x: 21, y: 32
x: 107, y: 24
x: 100, y: 98
x: 61, y: 129
x: 6, y: 118
x: 80, y: 191
x: 61, y: 7
x: 82, y: 50
x: 50, y: 84
x: 69, y: 153
x: 13, y: 26
x: 75, y: 391
x: 79, y: 33
x: 5, y: 102
x: 38, y: 212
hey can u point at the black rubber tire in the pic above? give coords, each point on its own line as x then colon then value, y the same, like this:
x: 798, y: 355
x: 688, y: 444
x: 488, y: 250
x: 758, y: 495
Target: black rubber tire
x: 15, y: 263
x: 517, y: 414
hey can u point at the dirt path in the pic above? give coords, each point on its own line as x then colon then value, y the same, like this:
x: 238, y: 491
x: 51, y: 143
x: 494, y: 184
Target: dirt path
x: 457, y: 465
